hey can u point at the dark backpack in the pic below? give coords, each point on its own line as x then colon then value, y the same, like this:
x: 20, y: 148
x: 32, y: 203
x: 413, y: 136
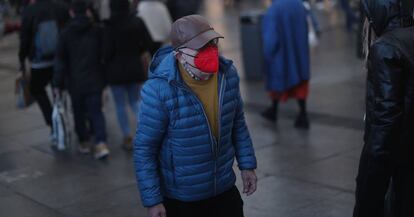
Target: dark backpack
x: 46, y: 40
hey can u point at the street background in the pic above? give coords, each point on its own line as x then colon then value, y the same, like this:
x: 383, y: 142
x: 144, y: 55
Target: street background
x: 301, y: 173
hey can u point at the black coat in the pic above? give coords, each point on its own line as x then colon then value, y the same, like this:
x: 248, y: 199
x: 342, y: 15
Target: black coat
x: 389, y: 131
x: 32, y: 15
x: 78, y: 57
x: 125, y: 40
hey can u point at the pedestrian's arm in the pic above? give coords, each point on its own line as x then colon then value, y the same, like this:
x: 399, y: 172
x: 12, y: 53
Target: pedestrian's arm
x: 61, y: 65
x: 147, y: 42
x: 241, y: 138
x: 26, y: 35
x: 108, y: 45
x: 153, y: 123
x: 385, y: 116
x: 63, y: 14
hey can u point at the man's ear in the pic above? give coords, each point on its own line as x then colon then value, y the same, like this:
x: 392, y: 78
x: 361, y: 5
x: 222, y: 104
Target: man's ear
x: 177, y: 54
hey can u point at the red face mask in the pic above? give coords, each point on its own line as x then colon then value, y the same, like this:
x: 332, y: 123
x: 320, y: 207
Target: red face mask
x: 207, y: 59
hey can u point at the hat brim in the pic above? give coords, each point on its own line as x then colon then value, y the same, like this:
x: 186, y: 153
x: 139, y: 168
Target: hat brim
x: 202, y: 39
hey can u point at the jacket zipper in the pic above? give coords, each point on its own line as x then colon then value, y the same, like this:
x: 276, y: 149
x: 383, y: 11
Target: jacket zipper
x: 220, y: 101
x: 217, y: 143
x: 205, y: 116
x: 214, y: 144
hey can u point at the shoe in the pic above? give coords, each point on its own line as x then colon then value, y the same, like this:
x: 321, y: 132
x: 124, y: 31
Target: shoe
x: 127, y: 144
x: 52, y: 139
x: 84, y: 148
x: 269, y: 114
x: 101, y: 151
x: 302, y: 122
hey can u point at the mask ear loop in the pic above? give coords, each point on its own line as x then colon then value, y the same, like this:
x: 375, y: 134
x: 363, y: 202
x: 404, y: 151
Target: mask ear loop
x: 181, y: 52
x: 178, y: 51
x: 186, y: 54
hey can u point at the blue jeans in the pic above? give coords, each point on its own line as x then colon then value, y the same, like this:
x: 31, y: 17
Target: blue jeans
x: 87, y: 108
x: 349, y: 13
x: 315, y: 21
x: 120, y: 94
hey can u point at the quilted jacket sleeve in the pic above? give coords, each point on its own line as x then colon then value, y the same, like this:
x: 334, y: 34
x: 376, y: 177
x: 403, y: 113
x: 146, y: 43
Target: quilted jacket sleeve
x: 241, y: 137
x: 153, y: 122
x: 384, y: 100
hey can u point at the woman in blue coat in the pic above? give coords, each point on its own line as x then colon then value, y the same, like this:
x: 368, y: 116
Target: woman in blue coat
x: 286, y: 53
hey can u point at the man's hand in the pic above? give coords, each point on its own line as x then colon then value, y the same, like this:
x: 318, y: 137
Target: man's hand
x: 22, y: 68
x: 157, y: 211
x: 249, y: 182
x: 56, y: 92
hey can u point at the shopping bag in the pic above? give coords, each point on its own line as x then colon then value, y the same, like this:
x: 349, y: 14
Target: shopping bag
x: 62, y: 131
x: 22, y: 91
x: 313, y: 38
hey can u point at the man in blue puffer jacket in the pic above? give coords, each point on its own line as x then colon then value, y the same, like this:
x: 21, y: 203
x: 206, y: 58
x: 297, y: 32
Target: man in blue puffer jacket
x: 191, y: 127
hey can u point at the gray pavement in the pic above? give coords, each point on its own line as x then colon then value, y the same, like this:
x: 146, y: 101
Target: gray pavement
x: 301, y: 173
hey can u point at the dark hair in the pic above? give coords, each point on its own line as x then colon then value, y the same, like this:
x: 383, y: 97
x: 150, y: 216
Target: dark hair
x: 119, y: 6
x: 79, y: 7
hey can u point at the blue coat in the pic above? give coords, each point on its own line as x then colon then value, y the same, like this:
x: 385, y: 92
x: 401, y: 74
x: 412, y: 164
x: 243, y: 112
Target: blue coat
x: 175, y: 154
x: 285, y: 45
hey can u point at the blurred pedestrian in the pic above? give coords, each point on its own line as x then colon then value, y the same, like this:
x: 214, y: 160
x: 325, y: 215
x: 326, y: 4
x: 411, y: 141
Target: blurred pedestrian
x: 157, y: 19
x: 313, y: 19
x: 286, y: 53
x: 125, y: 40
x: 387, y: 156
x: 350, y: 15
x: 41, y: 23
x: 181, y: 8
x: 78, y: 59
x: 104, y: 10
x: 191, y: 127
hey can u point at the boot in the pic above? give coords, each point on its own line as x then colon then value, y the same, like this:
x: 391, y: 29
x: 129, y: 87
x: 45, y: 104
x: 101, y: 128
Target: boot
x: 302, y: 122
x: 270, y: 114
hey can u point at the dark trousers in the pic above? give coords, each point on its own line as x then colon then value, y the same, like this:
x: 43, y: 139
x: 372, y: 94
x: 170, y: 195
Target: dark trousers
x: 374, y: 176
x: 403, y: 186
x: 88, y: 115
x: 227, y: 204
x: 39, y: 79
x: 373, y: 184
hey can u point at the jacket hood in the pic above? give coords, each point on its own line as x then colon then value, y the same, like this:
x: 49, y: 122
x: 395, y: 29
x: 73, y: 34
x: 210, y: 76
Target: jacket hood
x: 383, y: 15
x: 80, y: 24
x: 164, y: 65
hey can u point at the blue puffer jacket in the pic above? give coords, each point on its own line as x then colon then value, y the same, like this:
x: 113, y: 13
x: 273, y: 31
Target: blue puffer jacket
x: 175, y: 153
